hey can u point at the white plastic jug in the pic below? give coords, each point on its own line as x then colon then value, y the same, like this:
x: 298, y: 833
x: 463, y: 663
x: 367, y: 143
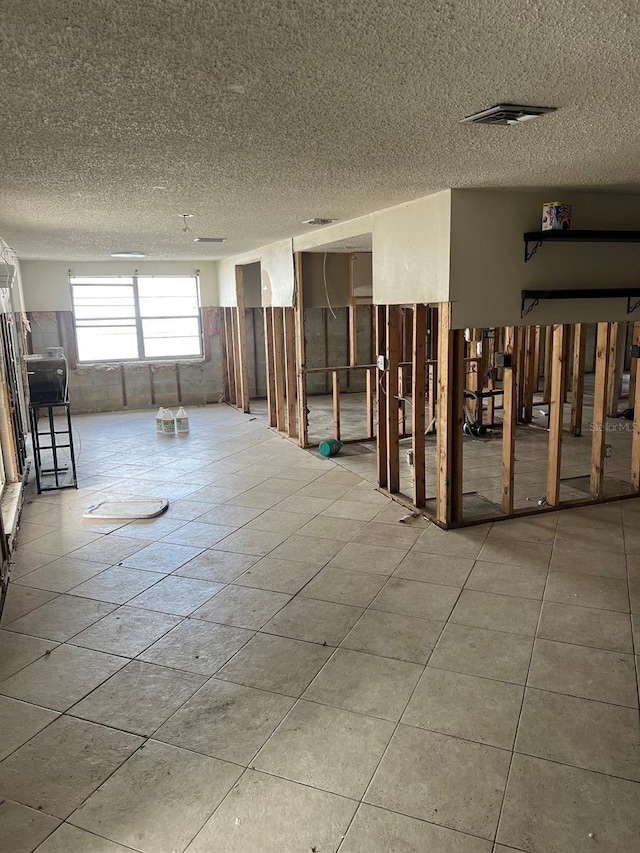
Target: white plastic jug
x: 159, y: 420
x: 168, y: 422
x: 182, y: 421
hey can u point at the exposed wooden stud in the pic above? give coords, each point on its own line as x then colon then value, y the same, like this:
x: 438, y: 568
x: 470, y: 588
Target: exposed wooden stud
x: 546, y: 392
x: 418, y: 403
x: 381, y: 397
x: 278, y: 361
x: 370, y: 378
x: 268, y: 348
x: 635, y: 439
x: 224, y: 355
x: 614, y: 374
x: 353, y: 314
x: 231, y: 356
x: 472, y: 379
x: 489, y: 350
x: 449, y: 419
x: 598, y: 440
x: 556, y: 411
x: 303, y: 419
x: 242, y: 369
x: 566, y: 356
x: 509, y: 419
x: 536, y: 357
x: 394, y: 351
x: 633, y: 367
x: 530, y: 377
x: 577, y: 382
x: 335, y: 389
x: 236, y: 357
x: 290, y: 370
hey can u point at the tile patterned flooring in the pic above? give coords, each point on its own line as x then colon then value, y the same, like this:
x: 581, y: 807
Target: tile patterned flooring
x: 277, y: 665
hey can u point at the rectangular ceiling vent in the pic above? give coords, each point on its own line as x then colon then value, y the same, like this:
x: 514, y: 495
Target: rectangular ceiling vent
x: 318, y: 221
x: 508, y: 114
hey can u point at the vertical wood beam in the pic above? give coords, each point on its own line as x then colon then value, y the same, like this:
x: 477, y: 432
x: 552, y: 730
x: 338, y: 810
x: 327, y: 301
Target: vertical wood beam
x: 394, y: 351
x: 418, y: 403
x: 370, y: 391
x: 529, y: 373
x: 603, y: 345
x: 290, y: 370
x: 556, y: 410
x: 353, y: 317
x: 268, y: 348
x: 489, y: 346
x: 381, y: 397
x: 634, y: 376
x: 335, y: 389
x: 303, y: 419
x: 242, y: 369
x: 536, y: 358
x: 509, y: 419
x: 449, y: 419
x: 231, y: 354
x: 614, y: 376
x: 577, y: 382
x: 226, y: 390
x: 548, y: 345
x: 635, y: 438
x: 278, y: 361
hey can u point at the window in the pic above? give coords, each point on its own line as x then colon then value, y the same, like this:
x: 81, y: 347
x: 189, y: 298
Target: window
x: 128, y: 318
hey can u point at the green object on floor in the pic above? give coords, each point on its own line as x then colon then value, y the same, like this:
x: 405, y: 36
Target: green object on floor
x: 330, y: 447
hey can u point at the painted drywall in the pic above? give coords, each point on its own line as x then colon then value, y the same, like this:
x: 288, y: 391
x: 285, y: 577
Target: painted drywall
x: 252, y: 286
x: 411, y: 251
x: 363, y: 276
x: 277, y: 278
x: 46, y: 283
x: 320, y: 268
x: 487, y: 257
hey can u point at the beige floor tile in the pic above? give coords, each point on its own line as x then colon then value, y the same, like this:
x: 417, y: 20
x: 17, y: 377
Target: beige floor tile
x: 163, y: 557
x: 178, y: 596
x: 80, y: 753
x: 19, y: 650
x: 351, y: 509
x: 587, y: 591
x: 367, y: 493
x: 195, y: 534
x: 574, y: 555
x: 259, y: 543
x: 275, y: 521
x: 110, y: 549
x: 550, y: 808
x: 434, y: 568
x: 507, y: 580
x: 634, y: 596
x: 451, y: 543
x: 400, y: 536
x: 21, y: 600
x: 394, y: 636
x: 581, y: 732
x: 311, y: 549
x: 126, y: 631
x: 368, y: 558
x: 278, y: 664
x: 32, y: 530
x: 497, y: 612
x: 65, y: 540
x: 25, y: 560
x: 586, y: 626
x: 633, y: 567
x: 150, y: 809
x: 70, y: 839
x: 152, y: 529
x: 263, y: 813
x: 226, y: 721
x: 138, y: 698
x: 260, y: 498
x: 61, y: 618
x: 541, y: 529
x: 306, y: 505
x: 216, y: 566
x: 23, y: 828
x: 229, y: 516
x: 195, y: 646
x: 445, y: 780
x: 331, y: 491
x: 344, y: 586
x: 411, y: 598
x: 326, y: 748
x: 242, y: 607
x: 278, y: 575
x: 19, y: 722
x: 62, y: 574
x: 394, y: 513
x: 328, y: 527
x: 317, y: 621
x: 488, y: 654
x: 375, y: 829
x: 117, y: 585
x: 364, y: 683
x: 580, y: 671
x: 465, y: 706
x: 511, y: 552
x: 60, y: 679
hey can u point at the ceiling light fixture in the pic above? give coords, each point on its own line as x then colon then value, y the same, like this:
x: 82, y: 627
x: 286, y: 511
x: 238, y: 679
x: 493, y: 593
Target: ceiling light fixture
x: 507, y: 114
x: 318, y: 220
x: 185, y: 224
x: 209, y: 239
x: 128, y: 255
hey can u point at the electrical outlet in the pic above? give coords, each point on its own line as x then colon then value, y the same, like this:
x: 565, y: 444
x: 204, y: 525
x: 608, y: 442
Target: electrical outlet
x: 382, y: 362
x: 635, y: 350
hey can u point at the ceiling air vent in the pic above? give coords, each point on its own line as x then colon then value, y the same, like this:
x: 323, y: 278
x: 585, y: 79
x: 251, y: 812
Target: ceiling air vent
x: 318, y: 221
x: 507, y: 114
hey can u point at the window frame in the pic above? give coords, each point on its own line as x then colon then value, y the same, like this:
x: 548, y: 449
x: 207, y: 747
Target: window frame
x: 131, y: 280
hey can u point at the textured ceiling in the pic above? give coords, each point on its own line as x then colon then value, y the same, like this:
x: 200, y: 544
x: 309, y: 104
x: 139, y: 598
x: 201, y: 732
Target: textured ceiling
x: 119, y: 115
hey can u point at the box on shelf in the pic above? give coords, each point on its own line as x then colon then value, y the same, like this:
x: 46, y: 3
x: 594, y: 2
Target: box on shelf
x: 556, y: 216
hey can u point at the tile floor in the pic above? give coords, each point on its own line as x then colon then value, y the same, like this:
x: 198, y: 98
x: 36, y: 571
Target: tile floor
x: 277, y: 665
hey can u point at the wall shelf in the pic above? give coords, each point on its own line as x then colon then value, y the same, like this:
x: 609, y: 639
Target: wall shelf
x: 533, y: 297
x: 584, y: 236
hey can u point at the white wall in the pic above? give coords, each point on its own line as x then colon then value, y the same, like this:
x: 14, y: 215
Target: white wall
x: 487, y: 257
x: 46, y: 283
x: 411, y: 251
x: 276, y: 262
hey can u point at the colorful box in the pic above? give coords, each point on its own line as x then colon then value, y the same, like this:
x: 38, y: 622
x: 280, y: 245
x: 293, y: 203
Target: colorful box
x: 556, y: 216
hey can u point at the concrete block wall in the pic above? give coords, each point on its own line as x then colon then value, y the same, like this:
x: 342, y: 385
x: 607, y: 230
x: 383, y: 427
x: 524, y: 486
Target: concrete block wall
x: 327, y: 345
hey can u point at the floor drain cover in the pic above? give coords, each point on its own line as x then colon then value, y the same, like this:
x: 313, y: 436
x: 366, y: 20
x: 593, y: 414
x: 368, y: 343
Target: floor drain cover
x: 127, y: 508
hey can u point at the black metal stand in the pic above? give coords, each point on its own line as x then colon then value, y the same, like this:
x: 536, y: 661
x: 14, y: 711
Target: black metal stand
x: 62, y: 470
